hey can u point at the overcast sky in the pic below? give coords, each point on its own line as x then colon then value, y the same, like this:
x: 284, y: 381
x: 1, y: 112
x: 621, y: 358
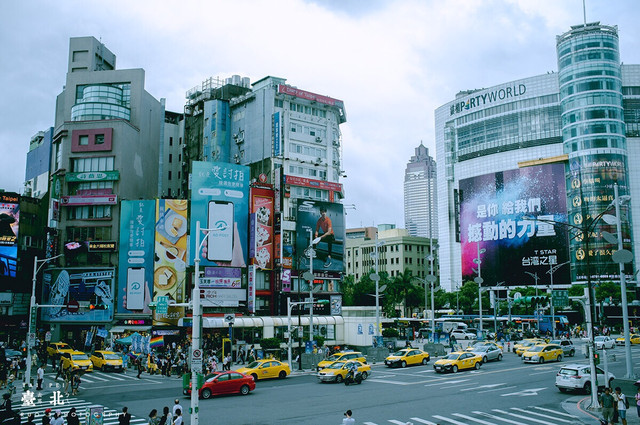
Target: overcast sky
x: 391, y: 62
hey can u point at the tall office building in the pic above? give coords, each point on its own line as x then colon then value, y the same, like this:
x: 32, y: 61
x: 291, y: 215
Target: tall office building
x: 420, y: 197
x: 519, y: 156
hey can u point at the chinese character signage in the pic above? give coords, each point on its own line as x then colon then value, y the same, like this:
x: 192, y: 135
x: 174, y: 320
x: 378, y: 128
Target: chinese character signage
x: 84, y: 285
x: 9, y: 224
x: 170, y: 266
x: 497, y: 213
x: 251, y: 290
x: 135, y: 277
x: 322, y: 220
x: 220, y: 202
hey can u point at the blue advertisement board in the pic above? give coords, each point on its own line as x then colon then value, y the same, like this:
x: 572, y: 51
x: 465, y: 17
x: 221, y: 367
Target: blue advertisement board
x: 87, y: 285
x: 220, y: 201
x: 135, y: 276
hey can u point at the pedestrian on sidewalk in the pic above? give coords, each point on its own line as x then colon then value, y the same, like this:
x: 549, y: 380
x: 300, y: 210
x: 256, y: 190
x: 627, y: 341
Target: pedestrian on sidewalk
x: 176, y: 407
x: 178, y: 419
x: 153, y: 417
x: 607, y: 401
x: 622, y: 405
x: 124, y: 418
x: 165, y: 419
x: 638, y: 401
x: 348, y: 420
x: 225, y: 362
x: 40, y: 374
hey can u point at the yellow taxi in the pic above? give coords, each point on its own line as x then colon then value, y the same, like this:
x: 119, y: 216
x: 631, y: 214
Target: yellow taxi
x: 406, y: 357
x: 266, y: 368
x: 107, y: 360
x: 54, y: 349
x: 523, y: 346
x: 542, y: 353
x: 344, y: 356
x: 76, y: 360
x: 456, y: 361
x: 633, y: 339
x: 337, y: 371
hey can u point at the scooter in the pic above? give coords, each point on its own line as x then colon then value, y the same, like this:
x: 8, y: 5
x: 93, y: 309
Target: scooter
x: 351, y: 379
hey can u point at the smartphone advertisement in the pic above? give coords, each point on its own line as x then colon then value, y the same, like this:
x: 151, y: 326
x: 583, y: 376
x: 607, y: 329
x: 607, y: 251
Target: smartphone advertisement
x: 220, y: 202
x: 135, y: 259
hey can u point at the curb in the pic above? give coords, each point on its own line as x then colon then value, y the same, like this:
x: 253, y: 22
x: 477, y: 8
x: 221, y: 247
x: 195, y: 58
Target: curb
x: 577, y: 406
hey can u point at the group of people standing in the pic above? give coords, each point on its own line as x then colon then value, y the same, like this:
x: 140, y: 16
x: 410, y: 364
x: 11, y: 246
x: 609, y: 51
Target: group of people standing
x: 616, y: 404
x: 169, y: 417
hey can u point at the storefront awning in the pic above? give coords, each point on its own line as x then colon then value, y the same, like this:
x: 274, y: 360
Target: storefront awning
x: 260, y: 322
x: 130, y: 328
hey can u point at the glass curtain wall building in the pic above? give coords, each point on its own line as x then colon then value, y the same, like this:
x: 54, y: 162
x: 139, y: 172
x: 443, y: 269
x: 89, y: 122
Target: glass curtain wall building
x: 585, y: 116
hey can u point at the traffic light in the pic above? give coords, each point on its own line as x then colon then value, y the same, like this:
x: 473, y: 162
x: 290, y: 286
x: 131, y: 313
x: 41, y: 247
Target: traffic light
x: 542, y: 301
x: 596, y: 358
x: 98, y: 307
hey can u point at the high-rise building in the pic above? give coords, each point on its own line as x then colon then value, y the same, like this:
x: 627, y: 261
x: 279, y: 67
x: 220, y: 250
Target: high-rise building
x: 420, y: 197
x: 38, y: 162
x: 519, y: 156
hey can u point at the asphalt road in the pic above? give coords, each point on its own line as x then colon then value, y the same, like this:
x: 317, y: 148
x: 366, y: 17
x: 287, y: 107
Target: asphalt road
x: 500, y: 392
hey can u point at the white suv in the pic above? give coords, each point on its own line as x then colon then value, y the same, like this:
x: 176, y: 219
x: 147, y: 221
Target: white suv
x: 461, y: 334
x: 578, y: 377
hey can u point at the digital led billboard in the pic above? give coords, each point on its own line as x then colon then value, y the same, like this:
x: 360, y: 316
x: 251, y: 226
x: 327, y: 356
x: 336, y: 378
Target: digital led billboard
x: 497, y: 214
x: 324, y: 220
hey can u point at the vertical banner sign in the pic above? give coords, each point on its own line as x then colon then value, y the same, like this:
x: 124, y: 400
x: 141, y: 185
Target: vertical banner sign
x: 326, y: 221
x: 169, y: 277
x: 220, y: 201
x: 277, y: 185
x: 251, y: 290
x: 9, y: 224
x: 286, y: 280
x: 277, y: 151
x: 262, y: 209
x: 135, y: 259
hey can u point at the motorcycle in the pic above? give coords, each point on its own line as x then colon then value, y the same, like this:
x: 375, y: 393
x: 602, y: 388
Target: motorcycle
x: 353, y: 379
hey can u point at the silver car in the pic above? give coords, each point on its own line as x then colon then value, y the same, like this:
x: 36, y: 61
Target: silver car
x: 487, y: 352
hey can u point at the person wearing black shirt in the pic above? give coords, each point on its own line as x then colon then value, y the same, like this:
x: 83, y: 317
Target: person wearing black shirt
x: 124, y: 418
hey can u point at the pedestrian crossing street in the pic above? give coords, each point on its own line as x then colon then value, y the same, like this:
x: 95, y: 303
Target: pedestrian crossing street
x: 532, y: 415
x: 65, y: 404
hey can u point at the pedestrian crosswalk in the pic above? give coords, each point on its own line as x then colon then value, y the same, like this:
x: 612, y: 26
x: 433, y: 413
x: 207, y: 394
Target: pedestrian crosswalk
x: 95, y: 378
x: 532, y: 415
x: 57, y: 401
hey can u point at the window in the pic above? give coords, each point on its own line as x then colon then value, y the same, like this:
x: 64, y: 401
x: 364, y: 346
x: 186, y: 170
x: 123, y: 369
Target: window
x: 99, y: 139
x: 170, y: 141
x: 89, y: 212
x: 169, y: 175
x: 170, y: 157
x: 84, y: 140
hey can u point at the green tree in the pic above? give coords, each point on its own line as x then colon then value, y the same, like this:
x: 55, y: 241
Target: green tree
x: 401, y: 290
x: 606, y: 290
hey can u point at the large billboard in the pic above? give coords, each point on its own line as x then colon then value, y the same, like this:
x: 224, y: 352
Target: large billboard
x: 220, y: 201
x: 135, y: 276
x: 497, y: 213
x: 9, y: 224
x: 261, y: 229
x: 322, y: 220
x: 76, y: 286
x: 169, y: 275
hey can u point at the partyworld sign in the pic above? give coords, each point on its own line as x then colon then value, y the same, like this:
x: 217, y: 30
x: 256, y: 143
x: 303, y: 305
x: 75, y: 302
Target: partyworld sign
x: 489, y: 97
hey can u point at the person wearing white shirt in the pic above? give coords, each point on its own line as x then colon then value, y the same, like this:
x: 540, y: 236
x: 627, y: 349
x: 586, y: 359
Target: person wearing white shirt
x: 40, y: 374
x: 176, y: 407
x: 622, y: 405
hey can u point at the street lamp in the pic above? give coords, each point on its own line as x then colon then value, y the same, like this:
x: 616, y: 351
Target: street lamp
x: 495, y: 310
x: 376, y: 278
x: 621, y: 256
x: 537, y: 312
x: 479, y: 281
x: 455, y: 282
x: 33, y: 313
x: 551, y: 271
x: 311, y: 253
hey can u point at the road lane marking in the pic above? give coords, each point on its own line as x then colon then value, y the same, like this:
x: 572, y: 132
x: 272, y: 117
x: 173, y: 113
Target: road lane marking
x: 384, y: 381
x: 554, y: 412
x: 369, y: 423
x: 543, y: 372
x: 524, y: 417
x: 497, y: 389
x: 423, y: 421
x: 442, y: 418
x: 499, y: 418
x: 525, y: 393
x: 447, y: 381
x: 484, y: 386
x: 459, y: 386
x: 393, y: 421
x: 480, y: 421
x: 529, y: 412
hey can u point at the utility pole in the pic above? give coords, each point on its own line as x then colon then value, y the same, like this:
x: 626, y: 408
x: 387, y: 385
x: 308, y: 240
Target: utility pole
x: 479, y: 281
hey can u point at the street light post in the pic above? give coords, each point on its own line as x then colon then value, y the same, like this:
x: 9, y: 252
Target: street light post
x: 535, y: 278
x: 33, y: 312
x: 376, y: 278
x: 585, y: 300
x: 551, y: 271
x: 479, y: 281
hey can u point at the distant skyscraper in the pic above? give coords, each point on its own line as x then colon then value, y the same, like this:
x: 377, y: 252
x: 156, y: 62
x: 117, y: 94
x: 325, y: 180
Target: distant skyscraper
x: 420, y: 200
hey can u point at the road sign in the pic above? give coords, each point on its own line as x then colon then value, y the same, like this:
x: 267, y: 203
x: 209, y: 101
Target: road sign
x: 229, y: 318
x: 196, y: 360
x: 31, y: 340
x: 517, y: 295
x: 73, y: 306
x: 560, y: 298
x: 33, y: 317
x: 162, y: 304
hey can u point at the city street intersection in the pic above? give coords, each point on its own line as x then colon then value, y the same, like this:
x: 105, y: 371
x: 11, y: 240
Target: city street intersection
x: 504, y: 392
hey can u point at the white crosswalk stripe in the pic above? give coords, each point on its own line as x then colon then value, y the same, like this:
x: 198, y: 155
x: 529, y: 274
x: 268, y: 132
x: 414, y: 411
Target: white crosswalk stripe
x: 423, y: 421
x: 555, y: 412
x: 38, y: 408
x: 453, y: 421
x: 529, y: 412
x: 538, y: 421
x: 480, y: 421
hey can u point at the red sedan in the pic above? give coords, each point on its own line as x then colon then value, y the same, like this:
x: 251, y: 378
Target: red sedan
x: 227, y: 382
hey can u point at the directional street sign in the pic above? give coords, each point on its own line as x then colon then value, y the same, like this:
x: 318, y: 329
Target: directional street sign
x: 162, y: 304
x: 560, y: 298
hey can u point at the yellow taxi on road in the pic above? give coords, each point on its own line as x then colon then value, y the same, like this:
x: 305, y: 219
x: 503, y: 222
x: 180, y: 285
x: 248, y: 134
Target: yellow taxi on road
x: 525, y: 344
x: 343, y: 356
x: 76, y: 360
x: 633, y: 339
x: 456, y: 361
x: 542, y: 353
x: 406, y: 357
x: 107, y: 360
x: 54, y: 349
x: 266, y: 368
x: 337, y: 371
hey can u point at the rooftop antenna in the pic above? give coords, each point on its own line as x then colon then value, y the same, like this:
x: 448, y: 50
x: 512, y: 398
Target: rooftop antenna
x: 584, y: 12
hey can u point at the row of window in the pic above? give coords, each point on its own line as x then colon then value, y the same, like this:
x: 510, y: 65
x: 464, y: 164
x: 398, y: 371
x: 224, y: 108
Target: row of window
x: 592, y: 114
x: 94, y: 163
x: 313, y: 151
x: 589, y: 42
x: 599, y: 142
x: 99, y: 111
x: 309, y: 110
x: 88, y: 233
x: 601, y: 84
x: 590, y: 56
x: 507, y: 107
x: 89, y: 212
x: 117, y: 93
x: 593, y: 70
x: 308, y: 130
x: 598, y: 127
x: 306, y: 192
x: 602, y: 98
x: 304, y: 171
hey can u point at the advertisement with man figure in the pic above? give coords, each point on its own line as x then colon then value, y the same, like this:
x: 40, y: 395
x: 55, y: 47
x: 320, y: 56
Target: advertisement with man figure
x: 220, y: 202
x: 510, y: 216
x: 9, y: 224
x: 322, y: 222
